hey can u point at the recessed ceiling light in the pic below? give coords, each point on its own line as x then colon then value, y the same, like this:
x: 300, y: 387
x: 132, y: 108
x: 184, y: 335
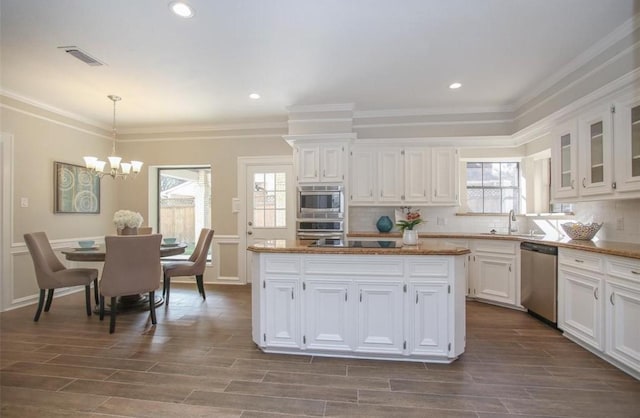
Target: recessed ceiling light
x: 254, y: 96
x: 455, y: 85
x: 181, y: 9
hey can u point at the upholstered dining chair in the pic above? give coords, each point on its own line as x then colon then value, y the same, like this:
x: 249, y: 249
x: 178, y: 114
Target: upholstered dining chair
x: 131, y: 266
x: 145, y: 230
x: 194, y: 266
x: 52, y: 274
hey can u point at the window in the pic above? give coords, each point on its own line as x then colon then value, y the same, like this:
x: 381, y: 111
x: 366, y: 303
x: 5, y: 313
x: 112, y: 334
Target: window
x: 270, y: 200
x: 493, y: 187
x: 184, y: 203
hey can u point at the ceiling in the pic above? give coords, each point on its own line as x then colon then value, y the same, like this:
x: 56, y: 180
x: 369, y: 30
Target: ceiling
x: 377, y: 54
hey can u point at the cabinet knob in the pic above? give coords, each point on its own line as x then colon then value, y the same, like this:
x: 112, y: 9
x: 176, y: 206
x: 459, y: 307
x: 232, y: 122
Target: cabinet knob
x: 249, y: 232
x: 611, y: 299
x: 595, y: 293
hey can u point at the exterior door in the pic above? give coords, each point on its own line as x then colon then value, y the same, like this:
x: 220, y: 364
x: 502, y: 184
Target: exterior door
x: 269, y: 207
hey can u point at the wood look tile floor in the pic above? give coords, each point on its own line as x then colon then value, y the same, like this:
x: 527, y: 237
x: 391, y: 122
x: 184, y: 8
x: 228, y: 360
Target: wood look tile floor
x: 199, y: 361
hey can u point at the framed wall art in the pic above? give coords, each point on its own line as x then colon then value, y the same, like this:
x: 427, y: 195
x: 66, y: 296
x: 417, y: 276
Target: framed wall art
x: 76, y: 189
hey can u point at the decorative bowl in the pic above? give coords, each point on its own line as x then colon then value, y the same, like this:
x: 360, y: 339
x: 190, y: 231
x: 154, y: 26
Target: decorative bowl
x: 169, y: 240
x: 577, y: 230
x: 86, y: 243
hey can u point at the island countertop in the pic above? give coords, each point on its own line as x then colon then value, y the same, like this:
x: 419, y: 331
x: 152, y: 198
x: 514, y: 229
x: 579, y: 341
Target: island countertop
x: 424, y: 247
x: 620, y: 249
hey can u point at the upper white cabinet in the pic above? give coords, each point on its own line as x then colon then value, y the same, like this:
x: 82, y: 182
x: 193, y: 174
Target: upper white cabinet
x: 394, y: 175
x: 320, y: 163
x: 627, y: 143
x: 596, y: 154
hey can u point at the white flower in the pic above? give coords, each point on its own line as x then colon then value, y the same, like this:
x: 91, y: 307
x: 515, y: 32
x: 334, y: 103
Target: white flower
x: 127, y: 218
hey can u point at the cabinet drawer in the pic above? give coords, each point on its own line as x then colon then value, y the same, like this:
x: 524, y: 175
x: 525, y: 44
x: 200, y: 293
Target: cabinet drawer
x: 370, y: 266
x: 624, y: 268
x: 428, y: 268
x: 496, y: 246
x: 282, y: 264
x: 582, y: 260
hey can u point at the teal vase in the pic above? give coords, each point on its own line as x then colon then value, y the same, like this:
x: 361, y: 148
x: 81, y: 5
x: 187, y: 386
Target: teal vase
x: 384, y: 224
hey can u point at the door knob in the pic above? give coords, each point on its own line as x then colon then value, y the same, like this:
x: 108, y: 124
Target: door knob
x: 249, y: 232
x: 250, y: 223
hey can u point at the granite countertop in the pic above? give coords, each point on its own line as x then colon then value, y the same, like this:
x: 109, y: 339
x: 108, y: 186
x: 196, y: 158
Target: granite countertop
x: 424, y: 247
x: 621, y: 249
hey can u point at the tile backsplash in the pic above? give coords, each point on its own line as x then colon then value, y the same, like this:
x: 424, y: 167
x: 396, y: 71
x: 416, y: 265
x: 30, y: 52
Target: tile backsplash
x: 621, y: 220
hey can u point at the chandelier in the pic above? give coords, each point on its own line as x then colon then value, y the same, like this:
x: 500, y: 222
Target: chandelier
x: 116, y: 168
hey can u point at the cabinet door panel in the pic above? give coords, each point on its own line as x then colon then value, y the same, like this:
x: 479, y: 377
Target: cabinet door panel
x: 428, y: 319
x: 363, y: 174
x: 416, y: 174
x: 495, y: 278
x: 331, y: 163
x: 391, y: 176
x: 282, y: 312
x: 623, y: 330
x: 627, y: 140
x: 328, y: 320
x: 444, y: 174
x: 596, y: 148
x: 380, y: 315
x: 564, y: 160
x: 580, y: 307
x: 308, y: 163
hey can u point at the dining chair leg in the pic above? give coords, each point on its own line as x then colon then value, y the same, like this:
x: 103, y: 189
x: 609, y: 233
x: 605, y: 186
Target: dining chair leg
x: 164, y: 285
x: 96, y: 292
x: 101, y: 307
x: 152, y: 306
x: 47, y: 306
x: 40, y: 304
x: 87, y: 294
x: 167, y: 287
x: 114, y: 308
x: 200, y: 283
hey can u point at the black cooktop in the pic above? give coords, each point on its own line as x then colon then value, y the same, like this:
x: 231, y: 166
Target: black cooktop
x: 333, y: 242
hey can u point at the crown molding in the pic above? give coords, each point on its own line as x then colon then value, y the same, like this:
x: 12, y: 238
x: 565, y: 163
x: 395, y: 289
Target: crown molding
x: 361, y: 114
x: 205, y: 128
x: 598, y: 48
x: 198, y: 138
x: 432, y: 123
x: 446, y: 141
x: 336, y: 107
x: 40, y: 105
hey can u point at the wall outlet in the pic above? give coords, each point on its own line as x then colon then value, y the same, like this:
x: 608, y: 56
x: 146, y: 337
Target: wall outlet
x: 620, y: 224
x: 24, y: 202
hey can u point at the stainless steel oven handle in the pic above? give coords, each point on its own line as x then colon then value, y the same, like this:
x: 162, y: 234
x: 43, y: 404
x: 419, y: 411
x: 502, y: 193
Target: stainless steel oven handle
x: 319, y: 235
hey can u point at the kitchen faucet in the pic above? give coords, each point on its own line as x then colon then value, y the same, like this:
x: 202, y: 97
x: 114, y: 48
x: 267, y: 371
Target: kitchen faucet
x: 512, y: 218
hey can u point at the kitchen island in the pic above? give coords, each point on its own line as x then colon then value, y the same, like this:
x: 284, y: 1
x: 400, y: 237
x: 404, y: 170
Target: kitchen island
x: 375, y: 302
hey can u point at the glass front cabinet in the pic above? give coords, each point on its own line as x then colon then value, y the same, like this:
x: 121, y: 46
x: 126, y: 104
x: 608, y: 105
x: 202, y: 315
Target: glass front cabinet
x: 627, y: 143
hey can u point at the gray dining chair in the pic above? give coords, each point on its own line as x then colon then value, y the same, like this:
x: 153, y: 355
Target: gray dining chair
x: 131, y: 266
x: 194, y: 266
x: 51, y: 274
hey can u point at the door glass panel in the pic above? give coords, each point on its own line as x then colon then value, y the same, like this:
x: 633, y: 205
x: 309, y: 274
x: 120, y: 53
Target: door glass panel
x: 269, y: 200
x: 597, y: 169
x: 565, y: 160
x: 635, y: 141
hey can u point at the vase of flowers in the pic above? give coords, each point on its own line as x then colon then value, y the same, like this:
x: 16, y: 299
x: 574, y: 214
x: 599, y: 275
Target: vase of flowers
x: 127, y: 222
x: 411, y: 220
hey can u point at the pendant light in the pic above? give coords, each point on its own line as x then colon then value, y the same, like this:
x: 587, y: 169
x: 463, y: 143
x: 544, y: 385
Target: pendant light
x: 116, y: 168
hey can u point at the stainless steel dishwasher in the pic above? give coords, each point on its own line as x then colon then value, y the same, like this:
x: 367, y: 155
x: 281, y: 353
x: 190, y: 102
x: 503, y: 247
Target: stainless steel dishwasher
x: 538, y: 280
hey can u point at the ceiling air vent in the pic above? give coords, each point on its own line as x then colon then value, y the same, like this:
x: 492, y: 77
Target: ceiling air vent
x: 81, y: 55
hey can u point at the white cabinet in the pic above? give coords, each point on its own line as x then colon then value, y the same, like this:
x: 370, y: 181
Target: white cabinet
x: 320, y: 163
x: 362, y: 178
x: 627, y: 143
x: 394, y: 175
x: 580, y: 296
x: 595, y: 151
x: 428, y: 305
x: 380, y: 317
x: 623, y: 311
x: 390, y: 175
x: 282, y: 305
x: 564, y: 160
x: 329, y: 318
x: 444, y: 176
x: 494, y: 271
x: 368, y: 306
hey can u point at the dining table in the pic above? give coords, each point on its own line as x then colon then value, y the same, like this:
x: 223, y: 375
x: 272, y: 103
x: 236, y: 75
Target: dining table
x: 126, y: 303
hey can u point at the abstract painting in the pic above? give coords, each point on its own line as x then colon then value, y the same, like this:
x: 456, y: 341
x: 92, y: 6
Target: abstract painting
x: 76, y: 189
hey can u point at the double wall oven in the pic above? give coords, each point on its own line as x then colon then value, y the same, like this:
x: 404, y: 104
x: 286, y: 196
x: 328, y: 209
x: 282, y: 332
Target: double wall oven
x: 320, y: 212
